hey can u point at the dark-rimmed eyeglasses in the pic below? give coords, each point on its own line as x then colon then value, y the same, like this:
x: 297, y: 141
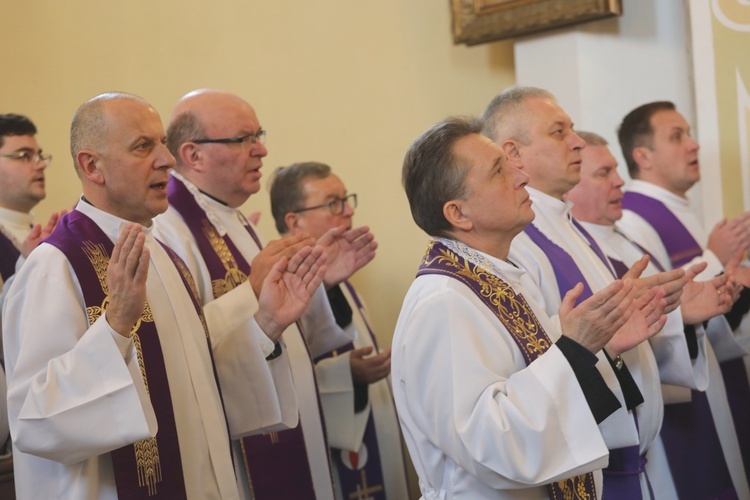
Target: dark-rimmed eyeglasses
x: 28, y: 157
x: 336, y: 206
x: 259, y: 136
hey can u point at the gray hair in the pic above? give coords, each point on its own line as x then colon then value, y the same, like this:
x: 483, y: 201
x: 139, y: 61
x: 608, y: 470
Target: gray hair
x: 592, y: 139
x: 506, y: 116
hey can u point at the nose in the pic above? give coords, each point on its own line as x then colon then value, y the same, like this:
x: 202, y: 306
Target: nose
x: 41, y: 164
x: 521, y: 177
x: 693, y: 144
x: 348, y: 209
x: 617, y: 179
x: 576, y: 142
x: 164, y: 158
x: 258, y: 149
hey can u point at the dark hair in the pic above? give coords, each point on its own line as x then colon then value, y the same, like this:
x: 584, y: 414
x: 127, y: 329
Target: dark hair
x: 636, y: 131
x: 286, y: 189
x: 12, y: 124
x: 433, y: 175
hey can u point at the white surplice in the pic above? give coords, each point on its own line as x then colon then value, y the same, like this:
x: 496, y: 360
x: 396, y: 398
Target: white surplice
x: 553, y: 220
x: 669, y: 346
x: 724, y: 344
x: 75, y: 390
x: 284, y: 388
x: 479, y: 423
x: 345, y: 433
x: 15, y: 226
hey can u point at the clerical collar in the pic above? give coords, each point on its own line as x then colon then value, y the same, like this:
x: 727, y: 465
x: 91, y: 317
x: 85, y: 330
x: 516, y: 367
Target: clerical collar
x: 213, y: 197
x: 83, y: 198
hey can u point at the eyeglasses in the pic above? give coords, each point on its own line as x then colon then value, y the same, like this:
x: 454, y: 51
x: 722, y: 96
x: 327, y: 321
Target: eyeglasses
x: 336, y: 206
x: 28, y: 157
x: 253, y: 138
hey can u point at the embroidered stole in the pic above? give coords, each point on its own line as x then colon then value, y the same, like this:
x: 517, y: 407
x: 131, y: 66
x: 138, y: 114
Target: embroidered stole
x: 621, y: 475
x: 8, y: 256
x: 151, y: 468
x: 268, y: 457
x: 521, y: 323
x: 360, y: 472
x: 689, y: 430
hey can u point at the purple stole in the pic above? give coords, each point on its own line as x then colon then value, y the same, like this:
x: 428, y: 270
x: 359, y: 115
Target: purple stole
x: 621, y: 477
x: 361, y: 472
x: 268, y: 457
x: 680, y: 244
x: 8, y: 256
x: 521, y: 323
x: 151, y: 468
x: 689, y: 432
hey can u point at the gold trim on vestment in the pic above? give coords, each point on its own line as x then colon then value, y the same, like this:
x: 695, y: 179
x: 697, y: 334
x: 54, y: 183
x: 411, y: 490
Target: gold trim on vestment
x: 233, y: 277
x: 147, y: 450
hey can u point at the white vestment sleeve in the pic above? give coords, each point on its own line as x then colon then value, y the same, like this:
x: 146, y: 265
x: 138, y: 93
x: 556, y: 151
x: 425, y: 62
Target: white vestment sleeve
x: 344, y: 427
x: 461, y: 386
x: 319, y: 326
x: 71, y: 395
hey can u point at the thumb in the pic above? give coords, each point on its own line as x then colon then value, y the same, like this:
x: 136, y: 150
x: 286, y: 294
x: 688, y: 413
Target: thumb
x: 734, y: 262
x: 569, y: 301
x: 637, y: 268
x: 361, y: 352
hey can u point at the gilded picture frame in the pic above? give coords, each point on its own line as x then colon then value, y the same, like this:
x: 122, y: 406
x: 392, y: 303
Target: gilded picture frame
x: 482, y: 21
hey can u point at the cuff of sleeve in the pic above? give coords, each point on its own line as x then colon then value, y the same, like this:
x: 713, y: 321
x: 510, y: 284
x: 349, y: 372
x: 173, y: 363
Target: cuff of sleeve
x: 600, y: 399
x: 123, y: 343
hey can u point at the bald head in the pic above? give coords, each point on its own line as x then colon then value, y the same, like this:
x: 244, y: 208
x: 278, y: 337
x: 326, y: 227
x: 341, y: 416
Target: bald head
x: 89, y: 126
x: 199, y: 114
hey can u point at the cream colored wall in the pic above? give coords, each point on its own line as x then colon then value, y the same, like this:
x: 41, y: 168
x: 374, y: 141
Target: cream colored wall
x: 349, y: 83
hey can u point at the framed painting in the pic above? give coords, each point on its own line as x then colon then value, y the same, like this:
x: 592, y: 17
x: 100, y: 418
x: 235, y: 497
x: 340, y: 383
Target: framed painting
x: 482, y: 21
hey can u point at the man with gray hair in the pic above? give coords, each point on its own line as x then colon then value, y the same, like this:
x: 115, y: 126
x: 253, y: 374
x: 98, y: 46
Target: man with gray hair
x: 495, y: 399
x: 538, y: 136
x: 111, y: 384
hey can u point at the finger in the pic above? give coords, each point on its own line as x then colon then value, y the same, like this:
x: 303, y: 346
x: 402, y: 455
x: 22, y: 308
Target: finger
x: 637, y: 268
x: 298, y: 259
x: 121, y: 239
x: 133, y: 258
x: 141, y: 272
x: 695, y: 270
x: 35, y: 232
x: 569, y: 300
x: 316, y: 280
x: 330, y: 236
x: 312, y: 273
x: 361, y: 352
x: 356, y: 233
x: 733, y: 263
x: 274, y: 274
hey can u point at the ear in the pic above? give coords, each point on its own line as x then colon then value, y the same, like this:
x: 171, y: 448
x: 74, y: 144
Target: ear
x: 513, y: 151
x: 88, y: 165
x: 453, y: 211
x: 190, y: 156
x: 642, y: 156
x: 291, y: 220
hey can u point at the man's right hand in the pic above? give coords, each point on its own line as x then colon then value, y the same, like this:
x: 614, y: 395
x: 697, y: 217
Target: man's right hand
x: 595, y: 320
x: 126, y: 280
x: 263, y: 262
x: 729, y: 237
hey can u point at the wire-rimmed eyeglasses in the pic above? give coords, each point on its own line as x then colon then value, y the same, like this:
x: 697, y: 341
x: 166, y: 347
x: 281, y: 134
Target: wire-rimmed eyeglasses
x: 336, y: 206
x: 28, y: 157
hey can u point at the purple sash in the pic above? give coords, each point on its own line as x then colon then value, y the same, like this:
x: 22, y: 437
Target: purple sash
x: 521, y: 323
x: 151, y: 468
x: 684, y: 430
x: 624, y: 463
x: 680, y: 244
x: 269, y: 458
x: 8, y: 256
x: 567, y: 273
